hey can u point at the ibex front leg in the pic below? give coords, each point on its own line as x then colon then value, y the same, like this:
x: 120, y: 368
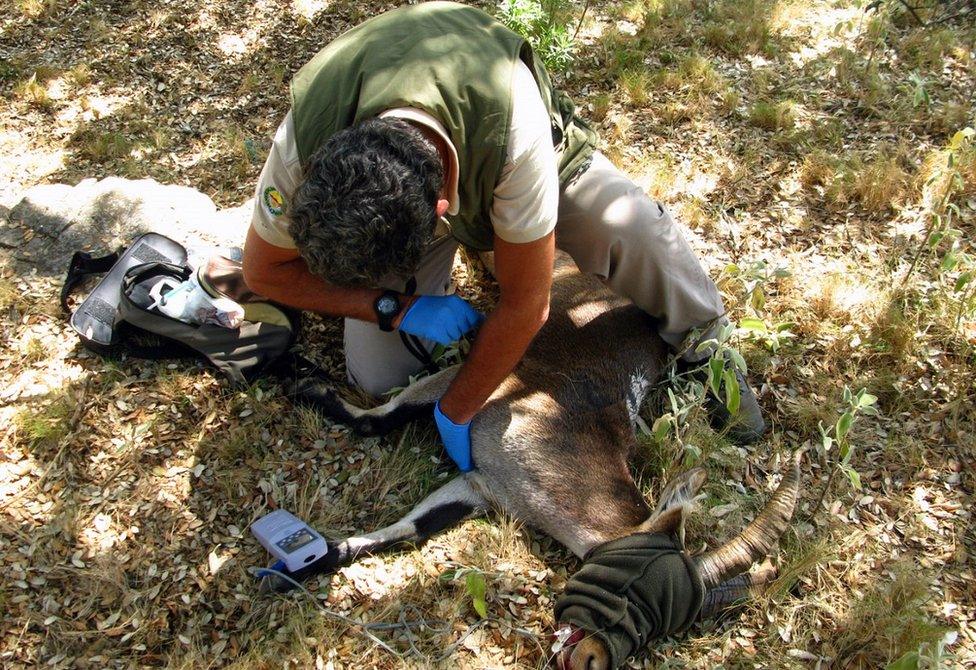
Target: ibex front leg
x: 446, y: 507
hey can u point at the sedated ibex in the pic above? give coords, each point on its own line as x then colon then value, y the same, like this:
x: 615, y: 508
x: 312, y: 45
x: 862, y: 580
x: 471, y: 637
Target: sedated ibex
x: 551, y: 448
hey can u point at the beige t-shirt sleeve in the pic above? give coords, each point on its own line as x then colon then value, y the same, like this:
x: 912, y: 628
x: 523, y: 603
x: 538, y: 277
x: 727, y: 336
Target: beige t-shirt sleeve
x: 526, y: 197
x: 281, y: 175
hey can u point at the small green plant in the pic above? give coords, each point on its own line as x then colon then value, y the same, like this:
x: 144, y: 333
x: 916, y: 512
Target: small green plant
x: 688, y: 392
x: 636, y: 85
x: 600, y: 106
x: 770, y: 336
x: 8, y: 71
x: 545, y: 24
x: 47, y: 425
x: 919, y: 90
x: 751, y: 281
x: 685, y: 397
x: 838, y: 434
x: 943, y: 239
x: 474, y: 582
x: 928, y: 656
x: 772, y: 116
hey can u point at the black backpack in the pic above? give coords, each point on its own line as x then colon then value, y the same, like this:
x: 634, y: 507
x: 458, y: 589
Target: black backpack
x: 117, y: 317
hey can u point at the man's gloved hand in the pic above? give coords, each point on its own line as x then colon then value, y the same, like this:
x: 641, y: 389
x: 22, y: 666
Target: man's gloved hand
x: 456, y: 438
x: 443, y: 319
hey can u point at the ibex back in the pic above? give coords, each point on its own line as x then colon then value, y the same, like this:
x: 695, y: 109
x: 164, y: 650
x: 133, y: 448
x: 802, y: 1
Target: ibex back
x: 551, y: 448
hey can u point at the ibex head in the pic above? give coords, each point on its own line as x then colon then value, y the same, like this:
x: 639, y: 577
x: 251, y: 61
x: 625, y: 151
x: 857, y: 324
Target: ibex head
x: 645, y: 585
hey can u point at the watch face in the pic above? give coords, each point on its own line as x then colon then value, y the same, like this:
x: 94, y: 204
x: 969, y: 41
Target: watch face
x: 387, y: 305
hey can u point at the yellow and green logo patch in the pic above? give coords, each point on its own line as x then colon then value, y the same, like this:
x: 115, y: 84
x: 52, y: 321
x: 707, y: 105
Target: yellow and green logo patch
x: 274, y: 201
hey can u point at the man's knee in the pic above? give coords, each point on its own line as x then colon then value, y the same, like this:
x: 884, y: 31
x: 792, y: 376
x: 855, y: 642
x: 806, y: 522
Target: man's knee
x: 377, y: 377
x: 376, y: 361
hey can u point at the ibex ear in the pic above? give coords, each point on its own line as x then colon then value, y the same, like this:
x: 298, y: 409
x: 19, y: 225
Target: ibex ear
x: 681, y: 490
x: 669, y: 522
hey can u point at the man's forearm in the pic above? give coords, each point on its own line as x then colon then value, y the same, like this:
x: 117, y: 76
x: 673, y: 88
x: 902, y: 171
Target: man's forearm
x: 281, y: 275
x: 295, y: 286
x: 502, y: 341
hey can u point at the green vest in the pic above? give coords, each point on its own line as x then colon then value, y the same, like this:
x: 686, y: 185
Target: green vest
x: 454, y: 62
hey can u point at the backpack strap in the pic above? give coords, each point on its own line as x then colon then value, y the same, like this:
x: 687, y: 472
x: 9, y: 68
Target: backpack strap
x: 412, y: 342
x: 82, y: 266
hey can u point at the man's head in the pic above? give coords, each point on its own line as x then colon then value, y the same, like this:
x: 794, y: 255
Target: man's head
x: 369, y: 203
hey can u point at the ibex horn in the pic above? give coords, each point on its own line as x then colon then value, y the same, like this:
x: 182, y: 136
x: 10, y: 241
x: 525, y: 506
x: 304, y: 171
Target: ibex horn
x: 759, y: 537
x: 744, y: 586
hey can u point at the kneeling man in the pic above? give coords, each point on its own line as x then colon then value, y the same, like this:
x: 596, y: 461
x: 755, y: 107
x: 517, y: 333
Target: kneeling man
x: 434, y: 125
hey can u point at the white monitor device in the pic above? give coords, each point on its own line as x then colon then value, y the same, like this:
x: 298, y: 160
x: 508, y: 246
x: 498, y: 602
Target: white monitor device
x: 289, y: 539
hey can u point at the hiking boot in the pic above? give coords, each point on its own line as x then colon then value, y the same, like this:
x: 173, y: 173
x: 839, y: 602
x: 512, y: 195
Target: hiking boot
x: 747, y: 426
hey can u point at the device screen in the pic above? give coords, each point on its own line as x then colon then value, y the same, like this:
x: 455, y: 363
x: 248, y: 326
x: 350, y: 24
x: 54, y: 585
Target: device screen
x: 296, y: 541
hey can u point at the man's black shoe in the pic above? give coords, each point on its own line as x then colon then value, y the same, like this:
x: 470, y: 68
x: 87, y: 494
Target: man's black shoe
x: 747, y: 425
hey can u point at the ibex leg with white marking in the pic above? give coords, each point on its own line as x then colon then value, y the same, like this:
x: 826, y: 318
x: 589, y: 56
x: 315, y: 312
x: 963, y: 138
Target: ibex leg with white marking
x: 411, y: 403
x: 444, y: 508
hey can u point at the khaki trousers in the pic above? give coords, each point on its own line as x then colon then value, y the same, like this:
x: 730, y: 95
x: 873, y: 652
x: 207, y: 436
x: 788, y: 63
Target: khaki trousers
x: 613, y: 230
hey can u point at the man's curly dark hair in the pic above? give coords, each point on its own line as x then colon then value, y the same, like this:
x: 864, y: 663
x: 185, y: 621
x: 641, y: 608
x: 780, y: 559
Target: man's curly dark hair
x: 366, y: 209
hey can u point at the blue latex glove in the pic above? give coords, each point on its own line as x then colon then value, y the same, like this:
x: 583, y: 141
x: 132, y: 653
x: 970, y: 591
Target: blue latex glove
x: 456, y: 438
x: 442, y: 318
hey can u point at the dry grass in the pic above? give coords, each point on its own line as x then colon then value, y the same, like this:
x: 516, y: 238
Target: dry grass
x: 890, y: 617
x: 784, y: 132
x: 34, y: 92
x: 37, y: 9
x: 878, y: 184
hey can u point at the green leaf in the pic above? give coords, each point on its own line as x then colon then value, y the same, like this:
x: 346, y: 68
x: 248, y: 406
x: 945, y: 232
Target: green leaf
x: 475, y: 583
x: 731, y: 392
x: 754, y: 325
x: 758, y: 299
x: 961, y: 138
x: 716, y: 368
x: 866, y: 400
x: 725, y: 332
x: 847, y: 396
x: 963, y: 279
x: 447, y: 576
x: 907, y: 662
x: 843, y: 425
x: 738, y: 360
x: 705, y: 345
x: 853, y: 477
x: 674, y: 402
x: 661, y: 427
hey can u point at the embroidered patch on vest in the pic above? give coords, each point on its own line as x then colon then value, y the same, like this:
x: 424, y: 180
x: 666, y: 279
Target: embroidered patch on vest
x: 274, y: 201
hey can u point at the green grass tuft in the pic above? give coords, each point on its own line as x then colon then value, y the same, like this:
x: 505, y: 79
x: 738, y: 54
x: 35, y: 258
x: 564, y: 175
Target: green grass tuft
x: 771, y: 116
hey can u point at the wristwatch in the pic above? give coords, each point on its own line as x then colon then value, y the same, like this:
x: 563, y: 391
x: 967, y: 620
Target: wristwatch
x: 387, y: 306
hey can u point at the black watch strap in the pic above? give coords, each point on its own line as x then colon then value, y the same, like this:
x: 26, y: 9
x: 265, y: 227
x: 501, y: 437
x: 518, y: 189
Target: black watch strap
x: 387, y: 306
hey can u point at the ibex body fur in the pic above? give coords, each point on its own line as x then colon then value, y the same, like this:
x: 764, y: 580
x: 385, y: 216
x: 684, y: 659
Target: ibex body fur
x: 551, y: 447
